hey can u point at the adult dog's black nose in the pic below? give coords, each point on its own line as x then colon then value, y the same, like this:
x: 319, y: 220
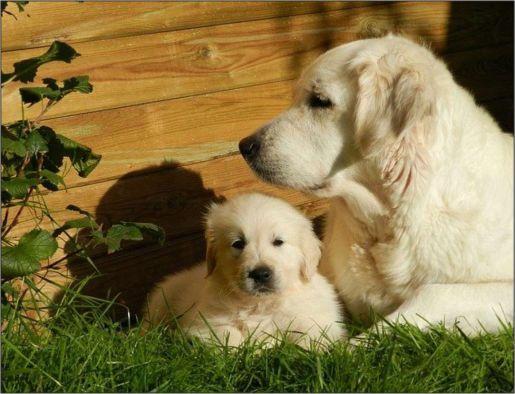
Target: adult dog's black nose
x: 261, y: 275
x: 249, y: 146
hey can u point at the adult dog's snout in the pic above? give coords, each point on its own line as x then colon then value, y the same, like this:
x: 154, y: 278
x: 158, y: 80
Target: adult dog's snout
x: 261, y: 275
x: 249, y: 146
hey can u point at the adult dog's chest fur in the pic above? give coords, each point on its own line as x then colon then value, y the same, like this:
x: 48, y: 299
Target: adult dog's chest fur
x: 377, y: 266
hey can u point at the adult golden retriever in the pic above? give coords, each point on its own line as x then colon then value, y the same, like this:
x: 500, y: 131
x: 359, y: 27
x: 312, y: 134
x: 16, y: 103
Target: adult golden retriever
x: 260, y: 279
x: 420, y: 179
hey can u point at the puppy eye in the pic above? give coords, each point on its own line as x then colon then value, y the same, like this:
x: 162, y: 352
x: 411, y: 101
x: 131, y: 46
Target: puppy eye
x: 238, y: 244
x: 278, y: 242
x: 316, y: 101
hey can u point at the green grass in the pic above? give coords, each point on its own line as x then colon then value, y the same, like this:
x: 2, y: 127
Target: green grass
x: 86, y: 352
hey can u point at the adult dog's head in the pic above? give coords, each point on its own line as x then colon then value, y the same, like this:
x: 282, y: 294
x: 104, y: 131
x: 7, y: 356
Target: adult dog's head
x: 358, y: 101
x: 260, y: 245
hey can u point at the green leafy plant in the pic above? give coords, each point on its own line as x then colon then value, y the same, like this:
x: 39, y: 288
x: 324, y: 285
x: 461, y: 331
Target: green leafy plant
x: 20, y: 4
x: 35, y: 161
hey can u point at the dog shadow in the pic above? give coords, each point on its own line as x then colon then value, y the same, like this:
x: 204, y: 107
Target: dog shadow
x: 166, y: 195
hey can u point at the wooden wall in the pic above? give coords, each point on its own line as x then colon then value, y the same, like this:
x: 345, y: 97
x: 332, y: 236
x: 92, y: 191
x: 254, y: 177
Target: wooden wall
x: 177, y: 85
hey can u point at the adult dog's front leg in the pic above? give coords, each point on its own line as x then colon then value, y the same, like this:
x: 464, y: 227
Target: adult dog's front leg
x: 475, y: 308
x: 364, y: 205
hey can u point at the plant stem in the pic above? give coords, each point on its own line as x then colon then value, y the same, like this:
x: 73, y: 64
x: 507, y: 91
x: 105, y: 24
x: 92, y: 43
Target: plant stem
x: 6, y: 216
x: 15, y: 220
x: 26, y: 161
x: 52, y: 265
x: 10, y: 79
x: 32, y: 188
x: 49, y: 105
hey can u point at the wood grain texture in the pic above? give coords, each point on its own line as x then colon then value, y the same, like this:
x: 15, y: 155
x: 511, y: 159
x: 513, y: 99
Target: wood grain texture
x: 174, y: 198
x: 77, y: 22
x: 178, y: 84
x: 152, y: 67
x: 181, y: 131
x: 199, y: 128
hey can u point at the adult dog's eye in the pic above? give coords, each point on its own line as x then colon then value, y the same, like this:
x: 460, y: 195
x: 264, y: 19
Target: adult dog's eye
x: 238, y: 244
x: 316, y: 101
x: 277, y: 242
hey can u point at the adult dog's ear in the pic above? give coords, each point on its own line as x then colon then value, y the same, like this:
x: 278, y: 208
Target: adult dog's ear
x: 395, y: 95
x: 394, y: 111
x: 310, y: 246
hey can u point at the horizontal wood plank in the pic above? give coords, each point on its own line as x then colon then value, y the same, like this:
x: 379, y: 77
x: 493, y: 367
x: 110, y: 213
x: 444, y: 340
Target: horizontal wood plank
x: 174, y: 198
x: 178, y: 84
x: 153, y: 67
x: 199, y: 128
x: 76, y: 22
x: 180, y: 132
x: 127, y: 71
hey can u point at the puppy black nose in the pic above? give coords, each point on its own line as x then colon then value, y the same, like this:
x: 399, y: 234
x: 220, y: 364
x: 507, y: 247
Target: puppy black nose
x: 249, y: 146
x: 261, y: 275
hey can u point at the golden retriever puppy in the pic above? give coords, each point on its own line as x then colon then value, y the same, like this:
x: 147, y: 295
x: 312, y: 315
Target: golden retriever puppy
x: 420, y: 179
x: 260, y: 279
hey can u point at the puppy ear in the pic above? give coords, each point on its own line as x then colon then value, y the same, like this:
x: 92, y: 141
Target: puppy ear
x: 311, y: 252
x: 210, y: 253
x: 210, y: 238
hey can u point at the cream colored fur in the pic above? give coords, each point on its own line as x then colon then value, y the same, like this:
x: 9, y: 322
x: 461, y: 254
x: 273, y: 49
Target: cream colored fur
x: 301, y: 305
x: 420, y: 179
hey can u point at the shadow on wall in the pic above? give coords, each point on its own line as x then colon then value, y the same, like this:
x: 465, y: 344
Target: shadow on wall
x: 478, y: 48
x: 175, y: 198
x: 323, y: 39
x: 489, y: 74
x: 169, y: 196
x: 354, y: 22
x: 166, y: 195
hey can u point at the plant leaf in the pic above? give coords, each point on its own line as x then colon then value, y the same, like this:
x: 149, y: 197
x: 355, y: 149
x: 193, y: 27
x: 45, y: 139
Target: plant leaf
x: 78, y: 84
x: 18, y: 128
x: 41, y: 244
x: 83, y: 159
x: 11, y: 143
x: 51, y: 180
x: 85, y: 222
x: 86, y: 165
x: 8, y: 289
x: 17, y: 262
x: 18, y: 187
x: 53, y: 160
x: 21, y: 5
x: 119, y: 232
x: 75, y: 208
x: 53, y: 91
x: 7, y: 309
x: 26, y: 70
x: 36, y: 94
x: 23, y: 259
x: 35, y: 143
x: 154, y: 231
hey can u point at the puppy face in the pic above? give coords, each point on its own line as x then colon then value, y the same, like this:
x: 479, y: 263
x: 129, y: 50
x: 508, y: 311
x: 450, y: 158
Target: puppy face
x: 260, y: 245
x: 351, y: 102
